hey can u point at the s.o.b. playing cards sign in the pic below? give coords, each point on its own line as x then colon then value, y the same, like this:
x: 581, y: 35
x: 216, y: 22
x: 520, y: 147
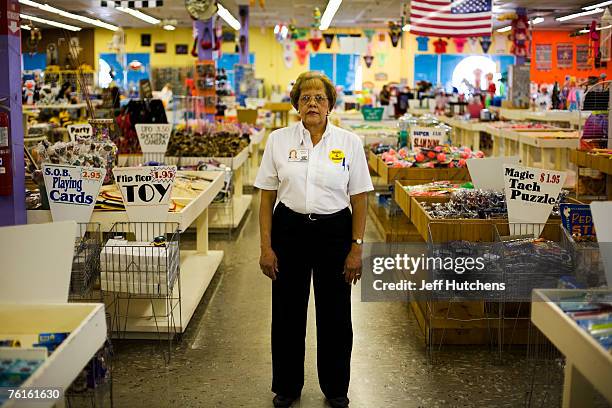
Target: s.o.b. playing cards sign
x: 153, y: 138
x: 146, y: 191
x: 531, y: 193
x: 72, y: 190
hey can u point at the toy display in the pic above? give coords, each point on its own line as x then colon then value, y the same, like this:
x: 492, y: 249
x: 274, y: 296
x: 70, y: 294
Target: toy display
x: 436, y: 189
x: 438, y: 156
x: 214, y: 141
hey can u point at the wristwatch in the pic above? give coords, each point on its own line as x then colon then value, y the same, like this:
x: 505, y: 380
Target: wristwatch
x: 357, y: 241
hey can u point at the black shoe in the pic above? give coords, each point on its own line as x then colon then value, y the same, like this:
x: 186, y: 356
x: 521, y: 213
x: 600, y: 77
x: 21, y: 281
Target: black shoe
x: 281, y: 401
x: 338, y: 402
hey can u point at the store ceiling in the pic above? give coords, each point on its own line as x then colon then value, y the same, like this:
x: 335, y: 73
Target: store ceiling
x: 352, y: 13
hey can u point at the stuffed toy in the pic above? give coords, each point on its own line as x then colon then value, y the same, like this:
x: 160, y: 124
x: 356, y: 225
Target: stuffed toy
x: 520, y: 36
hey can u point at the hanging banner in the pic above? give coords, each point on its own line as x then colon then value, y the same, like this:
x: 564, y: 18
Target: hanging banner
x: 485, y: 44
x: 288, y: 53
x: 543, y: 57
x: 82, y: 131
x: 426, y: 137
x: 488, y: 173
x: 565, y: 55
x: 315, y: 43
x: 72, y: 190
x: 153, y: 138
x: 301, y: 55
x: 577, y: 219
x: 531, y: 193
x: 368, y: 60
x: 582, y: 57
x: 301, y: 44
x: 329, y: 39
x: 146, y: 191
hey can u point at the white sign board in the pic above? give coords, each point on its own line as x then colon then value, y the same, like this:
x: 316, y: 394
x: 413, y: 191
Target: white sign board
x: 153, y: 138
x: 427, y: 137
x: 531, y: 193
x: 72, y: 190
x: 488, y: 173
x: 146, y: 191
x: 82, y: 131
x: 602, y: 219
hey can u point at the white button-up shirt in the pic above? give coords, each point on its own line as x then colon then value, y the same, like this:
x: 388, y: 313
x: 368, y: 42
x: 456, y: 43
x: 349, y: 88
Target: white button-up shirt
x: 336, y: 169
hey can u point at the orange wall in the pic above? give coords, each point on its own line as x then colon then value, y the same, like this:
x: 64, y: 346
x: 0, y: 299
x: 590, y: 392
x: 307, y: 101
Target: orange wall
x: 554, y: 37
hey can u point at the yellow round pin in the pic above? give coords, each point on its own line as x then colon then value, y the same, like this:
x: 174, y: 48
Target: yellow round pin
x: 336, y: 155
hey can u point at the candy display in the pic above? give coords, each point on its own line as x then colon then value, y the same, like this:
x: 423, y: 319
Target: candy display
x: 438, y: 156
x: 214, y: 141
x: 592, y: 312
x: 478, y: 204
x: 436, y: 189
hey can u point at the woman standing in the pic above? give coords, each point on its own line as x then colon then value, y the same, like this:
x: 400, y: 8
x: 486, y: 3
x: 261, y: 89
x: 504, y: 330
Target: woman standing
x: 309, y: 232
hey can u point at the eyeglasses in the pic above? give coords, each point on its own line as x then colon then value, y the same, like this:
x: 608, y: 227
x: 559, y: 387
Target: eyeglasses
x: 319, y: 99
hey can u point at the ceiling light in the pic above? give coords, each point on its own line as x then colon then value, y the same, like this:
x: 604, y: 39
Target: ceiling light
x: 585, y: 31
x: 51, y: 9
x: 330, y: 12
x: 169, y: 27
x: 504, y: 29
x: 51, y: 23
x: 139, y: 14
x: 25, y: 27
x: 227, y: 16
x: 594, y: 6
x: 576, y: 15
x: 406, y: 27
x: 537, y: 20
x: 588, y: 30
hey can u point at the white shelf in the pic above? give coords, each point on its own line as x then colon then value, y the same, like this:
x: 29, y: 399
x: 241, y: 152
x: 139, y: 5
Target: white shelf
x: 233, y: 162
x: 586, y: 359
x: 86, y: 324
x: 221, y: 215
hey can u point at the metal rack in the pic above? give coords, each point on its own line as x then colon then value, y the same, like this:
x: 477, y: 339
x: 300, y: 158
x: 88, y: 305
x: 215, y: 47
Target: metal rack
x: 86, y: 262
x: 141, y: 260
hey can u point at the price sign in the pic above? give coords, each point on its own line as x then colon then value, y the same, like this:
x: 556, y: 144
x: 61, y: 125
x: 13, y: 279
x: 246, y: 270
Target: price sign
x: 153, y: 138
x: 487, y: 173
x: 82, y: 131
x: 427, y: 137
x: 146, y: 191
x: 531, y: 193
x: 72, y: 190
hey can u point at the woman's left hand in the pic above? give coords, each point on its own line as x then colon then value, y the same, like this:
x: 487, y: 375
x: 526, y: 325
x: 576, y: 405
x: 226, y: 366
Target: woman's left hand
x: 352, y: 265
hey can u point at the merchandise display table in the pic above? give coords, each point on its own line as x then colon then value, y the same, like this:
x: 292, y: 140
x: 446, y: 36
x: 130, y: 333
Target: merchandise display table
x: 86, y: 323
x: 227, y: 215
x: 588, y: 365
x: 466, y: 132
x: 385, y: 131
x: 423, y: 175
x: 551, y: 146
x: 197, y: 266
x: 600, y: 163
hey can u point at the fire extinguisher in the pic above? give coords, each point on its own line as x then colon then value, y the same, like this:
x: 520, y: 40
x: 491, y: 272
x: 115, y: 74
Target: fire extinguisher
x: 6, y: 178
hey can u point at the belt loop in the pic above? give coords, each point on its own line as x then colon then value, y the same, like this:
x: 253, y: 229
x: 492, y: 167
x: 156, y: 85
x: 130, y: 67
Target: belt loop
x: 310, y: 217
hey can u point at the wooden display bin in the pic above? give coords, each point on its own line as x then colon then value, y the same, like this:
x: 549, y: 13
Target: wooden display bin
x: 373, y: 162
x: 404, y: 200
x: 423, y: 175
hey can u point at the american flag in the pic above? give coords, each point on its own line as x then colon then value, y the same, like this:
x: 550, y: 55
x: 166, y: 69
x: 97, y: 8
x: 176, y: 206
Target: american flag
x: 451, y: 18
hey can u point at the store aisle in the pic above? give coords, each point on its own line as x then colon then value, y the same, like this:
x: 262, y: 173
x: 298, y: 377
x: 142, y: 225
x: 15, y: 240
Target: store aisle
x: 224, y: 357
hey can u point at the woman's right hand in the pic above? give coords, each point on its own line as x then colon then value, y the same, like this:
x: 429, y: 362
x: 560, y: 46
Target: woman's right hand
x: 268, y: 263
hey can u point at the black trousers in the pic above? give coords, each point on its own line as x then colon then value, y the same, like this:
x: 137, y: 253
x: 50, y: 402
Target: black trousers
x: 306, y: 248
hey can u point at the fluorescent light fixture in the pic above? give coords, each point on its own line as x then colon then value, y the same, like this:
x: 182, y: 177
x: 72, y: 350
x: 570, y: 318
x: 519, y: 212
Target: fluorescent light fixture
x: 51, y: 9
x: 594, y: 6
x: 25, y: 27
x: 139, y: 14
x: 329, y: 13
x: 535, y: 21
x: 582, y: 14
x: 588, y: 30
x: 51, y: 23
x: 169, y: 27
x: 504, y: 29
x: 227, y: 16
x: 406, y: 27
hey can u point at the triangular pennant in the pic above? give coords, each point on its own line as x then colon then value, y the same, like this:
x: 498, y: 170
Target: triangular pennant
x: 301, y: 55
x: 315, y: 43
x: 288, y: 55
x: 302, y: 44
x: 329, y: 38
x: 394, y: 39
x: 369, y: 33
x: 485, y: 43
x: 368, y: 60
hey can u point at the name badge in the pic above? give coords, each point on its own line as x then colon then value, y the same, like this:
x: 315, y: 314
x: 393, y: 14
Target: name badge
x: 298, y: 155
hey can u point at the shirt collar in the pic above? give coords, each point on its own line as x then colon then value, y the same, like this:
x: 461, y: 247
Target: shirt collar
x: 303, y: 132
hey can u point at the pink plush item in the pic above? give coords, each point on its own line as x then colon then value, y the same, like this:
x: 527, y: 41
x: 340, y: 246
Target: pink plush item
x: 461, y: 163
x: 479, y: 154
x: 430, y: 165
x: 438, y: 148
x: 431, y: 155
x: 451, y: 165
x: 419, y: 157
x: 441, y: 157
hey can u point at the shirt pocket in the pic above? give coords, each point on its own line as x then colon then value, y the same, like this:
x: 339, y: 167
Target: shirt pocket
x: 334, y: 176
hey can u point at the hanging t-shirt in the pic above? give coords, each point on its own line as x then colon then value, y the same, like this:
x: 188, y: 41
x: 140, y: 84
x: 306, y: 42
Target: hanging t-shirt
x: 422, y: 43
x: 440, y: 46
x: 485, y: 43
x: 459, y: 43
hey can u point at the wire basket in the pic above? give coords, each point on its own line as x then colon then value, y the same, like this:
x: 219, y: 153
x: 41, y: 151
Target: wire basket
x: 589, y: 268
x: 141, y: 258
x: 86, y: 260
